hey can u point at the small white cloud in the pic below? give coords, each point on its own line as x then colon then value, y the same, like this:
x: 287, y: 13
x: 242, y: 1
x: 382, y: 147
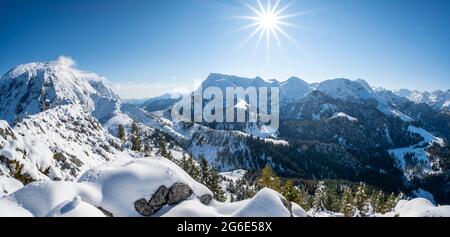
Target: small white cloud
x: 68, y: 61
x: 71, y: 63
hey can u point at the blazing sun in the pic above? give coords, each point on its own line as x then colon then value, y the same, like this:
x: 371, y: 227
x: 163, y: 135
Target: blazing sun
x: 268, y: 22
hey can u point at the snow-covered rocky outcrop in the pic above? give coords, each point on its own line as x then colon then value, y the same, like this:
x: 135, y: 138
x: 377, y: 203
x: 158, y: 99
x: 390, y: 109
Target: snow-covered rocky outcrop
x: 414, y: 160
x: 57, y: 144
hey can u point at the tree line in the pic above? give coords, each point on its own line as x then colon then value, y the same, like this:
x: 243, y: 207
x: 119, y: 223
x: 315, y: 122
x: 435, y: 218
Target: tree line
x: 350, y: 199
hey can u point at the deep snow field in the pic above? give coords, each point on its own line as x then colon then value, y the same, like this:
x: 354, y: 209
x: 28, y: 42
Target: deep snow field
x: 112, y: 189
x: 115, y: 186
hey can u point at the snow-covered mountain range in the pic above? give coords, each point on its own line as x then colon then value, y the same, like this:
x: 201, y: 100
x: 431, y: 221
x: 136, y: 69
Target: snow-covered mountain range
x: 59, y: 141
x: 347, y: 121
x: 436, y: 99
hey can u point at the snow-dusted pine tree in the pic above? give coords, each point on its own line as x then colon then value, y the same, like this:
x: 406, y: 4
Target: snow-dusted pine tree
x: 362, y: 201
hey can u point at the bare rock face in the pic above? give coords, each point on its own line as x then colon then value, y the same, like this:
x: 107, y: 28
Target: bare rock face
x: 205, y: 199
x: 178, y: 192
x: 156, y: 202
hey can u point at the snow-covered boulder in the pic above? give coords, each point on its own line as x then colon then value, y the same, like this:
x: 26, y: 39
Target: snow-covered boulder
x: 266, y: 203
x: 420, y: 207
x: 113, y: 189
x: 121, y: 185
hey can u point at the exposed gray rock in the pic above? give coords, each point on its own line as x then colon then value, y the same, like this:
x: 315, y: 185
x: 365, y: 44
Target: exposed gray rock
x: 164, y: 196
x: 143, y: 207
x: 158, y: 200
x: 178, y: 192
x: 205, y: 199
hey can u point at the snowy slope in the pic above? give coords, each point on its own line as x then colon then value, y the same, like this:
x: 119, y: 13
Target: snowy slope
x: 345, y: 116
x: 290, y: 90
x: 111, y: 189
x: 436, y: 99
x: 359, y: 91
x: 115, y: 186
x: 345, y: 89
x: 32, y: 88
x: 57, y: 144
x: 294, y: 89
x: 161, y: 102
x: 419, y: 162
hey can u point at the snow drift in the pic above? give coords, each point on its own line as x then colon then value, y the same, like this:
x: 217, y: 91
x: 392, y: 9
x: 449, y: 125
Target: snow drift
x: 112, y: 189
x: 420, y: 207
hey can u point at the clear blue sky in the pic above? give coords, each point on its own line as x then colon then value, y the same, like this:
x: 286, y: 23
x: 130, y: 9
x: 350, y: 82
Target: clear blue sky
x: 164, y: 43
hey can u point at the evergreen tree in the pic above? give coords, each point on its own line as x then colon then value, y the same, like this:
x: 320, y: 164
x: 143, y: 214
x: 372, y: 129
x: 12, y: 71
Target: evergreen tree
x: 392, y: 201
x: 291, y: 193
x: 213, y: 185
x: 135, y: 137
x: 269, y: 179
x: 362, y: 201
x: 243, y: 190
x: 379, y: 202
x: 192, y: 169
x: 231, y: 188
x: 147, y: 149
x: 204, y: 170
x: 188, y: 165
x: 183, y: 163
x: 305, y: 200
x: 347, y: 205
x: 332, y: 200
x: 319, y: 198
x: 162, y: 149
x: 121, y: 134
x: 169, y: 155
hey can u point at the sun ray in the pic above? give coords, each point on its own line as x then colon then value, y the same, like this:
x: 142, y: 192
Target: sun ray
x: 275, y: 7
x: 249, y: 26
x: 281, y: 10
x: 257, y: 12
x: 287, y: 36
x: 277, y: 39
x: 288, y: 24
x: 256, y: 31
x: 261, y: 7
x: 261, y: 36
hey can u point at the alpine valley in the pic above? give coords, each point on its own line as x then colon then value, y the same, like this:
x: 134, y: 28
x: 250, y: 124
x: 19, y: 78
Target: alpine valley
x: 69, y: 146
